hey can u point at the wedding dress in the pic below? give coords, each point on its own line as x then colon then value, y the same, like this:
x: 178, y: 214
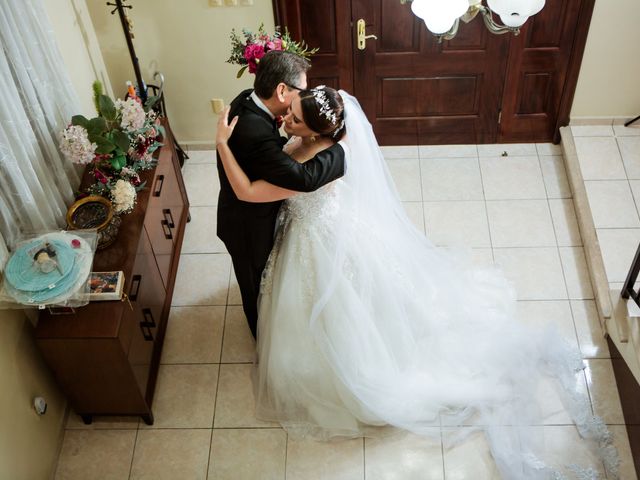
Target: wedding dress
x: 364, y: 323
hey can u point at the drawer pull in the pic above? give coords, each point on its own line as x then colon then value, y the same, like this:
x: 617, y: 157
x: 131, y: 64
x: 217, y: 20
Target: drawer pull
x: 147, y: 324
x: 166, y: 230
x: 168, y: 217
x: 135, y: 282
x: 159, y: 184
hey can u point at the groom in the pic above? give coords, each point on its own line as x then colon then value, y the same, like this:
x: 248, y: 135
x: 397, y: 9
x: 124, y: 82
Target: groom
x: 247, y: 228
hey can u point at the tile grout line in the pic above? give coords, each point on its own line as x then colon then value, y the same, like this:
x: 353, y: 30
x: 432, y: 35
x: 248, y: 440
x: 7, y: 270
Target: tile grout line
x: 133, y: 453
x: 486, y: 210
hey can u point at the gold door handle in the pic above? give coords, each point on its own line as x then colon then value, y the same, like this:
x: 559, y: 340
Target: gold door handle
x: 362, y: 37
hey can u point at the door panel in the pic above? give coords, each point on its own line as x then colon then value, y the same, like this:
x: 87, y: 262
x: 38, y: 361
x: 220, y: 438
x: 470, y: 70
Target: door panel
x: 476, y: 88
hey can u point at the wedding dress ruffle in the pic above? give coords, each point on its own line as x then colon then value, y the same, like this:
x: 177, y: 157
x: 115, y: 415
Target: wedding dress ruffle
x: 364, y: 323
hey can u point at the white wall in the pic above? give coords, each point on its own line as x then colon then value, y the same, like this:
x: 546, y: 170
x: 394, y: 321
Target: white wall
x: 609, y: 81
x: 189, y: 42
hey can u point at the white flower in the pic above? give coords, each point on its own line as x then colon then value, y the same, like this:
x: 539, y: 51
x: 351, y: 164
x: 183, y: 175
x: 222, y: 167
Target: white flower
x: 133, y: 116
x: 123, y: 196
x: 75, y: 145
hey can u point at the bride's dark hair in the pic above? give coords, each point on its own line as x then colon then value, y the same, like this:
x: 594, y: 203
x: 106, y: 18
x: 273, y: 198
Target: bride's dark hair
x: 323, y: 111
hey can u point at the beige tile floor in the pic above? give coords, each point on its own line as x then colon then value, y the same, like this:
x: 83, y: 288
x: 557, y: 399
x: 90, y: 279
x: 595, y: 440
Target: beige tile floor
x: 515, y: 210
x: 609, y: 158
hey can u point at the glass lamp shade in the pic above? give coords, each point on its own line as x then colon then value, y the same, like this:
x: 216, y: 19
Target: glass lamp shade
x: 439, y: 15
x: 514, y: 13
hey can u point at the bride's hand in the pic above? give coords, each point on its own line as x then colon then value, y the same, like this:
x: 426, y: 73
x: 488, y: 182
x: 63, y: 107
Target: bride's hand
x: 225, y: 129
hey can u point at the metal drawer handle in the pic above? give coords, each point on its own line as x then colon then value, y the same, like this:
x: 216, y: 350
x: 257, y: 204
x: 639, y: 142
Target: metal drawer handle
x: 135, y: 281
x: 166, y: 229
x: 159, y: 184
x: 147, y: 324
x: 168, y: 217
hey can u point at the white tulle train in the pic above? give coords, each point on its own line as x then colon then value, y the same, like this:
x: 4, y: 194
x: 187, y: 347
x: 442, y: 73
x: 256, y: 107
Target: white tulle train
x: 364, y: 323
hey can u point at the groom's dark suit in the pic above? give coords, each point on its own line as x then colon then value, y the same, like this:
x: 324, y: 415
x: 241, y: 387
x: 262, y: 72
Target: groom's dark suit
x: 247, y: 228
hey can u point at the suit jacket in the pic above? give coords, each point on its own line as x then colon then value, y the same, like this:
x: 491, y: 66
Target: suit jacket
x: 257, y: 146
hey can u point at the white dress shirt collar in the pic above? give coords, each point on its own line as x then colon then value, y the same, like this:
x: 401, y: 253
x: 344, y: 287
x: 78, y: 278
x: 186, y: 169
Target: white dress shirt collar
x: 261, y: 105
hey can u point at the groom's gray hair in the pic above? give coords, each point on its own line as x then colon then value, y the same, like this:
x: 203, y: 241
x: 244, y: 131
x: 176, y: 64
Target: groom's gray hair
x: 278, y: 67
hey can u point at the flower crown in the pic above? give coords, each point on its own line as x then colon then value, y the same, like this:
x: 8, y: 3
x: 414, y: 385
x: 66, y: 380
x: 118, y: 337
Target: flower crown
x: 320, y: 96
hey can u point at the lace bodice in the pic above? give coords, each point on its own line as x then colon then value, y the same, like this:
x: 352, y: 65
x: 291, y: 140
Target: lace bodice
x: 315, y: 206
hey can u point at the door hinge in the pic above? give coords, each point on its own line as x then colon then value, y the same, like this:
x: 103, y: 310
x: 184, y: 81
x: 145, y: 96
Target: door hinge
x: 499, y: 116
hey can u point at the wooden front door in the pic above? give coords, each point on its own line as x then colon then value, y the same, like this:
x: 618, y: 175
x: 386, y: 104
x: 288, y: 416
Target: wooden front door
x: 476, y: 88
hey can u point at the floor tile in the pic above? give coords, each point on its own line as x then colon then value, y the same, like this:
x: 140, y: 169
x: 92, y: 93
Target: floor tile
x: 622, y: 131
x: 469, y: 459
x: 612, y: 204
x: 590, y: 334
x: 592, y: 130
x: 239, y: 345
x: 565, y: 222
x: 564, y: 447
x: 403, y: 151
x: 451, y: 179
x: 555, y: 177
x: 520, y: 223
x: 338, y: 460
x: 99, y: 422
x: 201, y: 156
x: 576, y: 273
x: 599, y: 158
x: 104, y: 454
x: 404, y: 456
x: 603, y: 391
x: 548, y: 149
x: 200, y: 234
x: 618, y: 248
x: 235, y: 405
x: 630, y: 151
x: 536, y: 272
x: 507, y: 150
x: 202, y: 184
x: 626, y: 469
x: 185, y: 396
x: 212, y: 272
x: 448, y: 151
x: 406, y: 176
x: 512, y: 178
x: 255, y: 454
x: 543, y: 314
x: 194, y: 335
x: 171, y: 454
x: 415, y: 213
x: 457, y: 223
x: 234, y: 298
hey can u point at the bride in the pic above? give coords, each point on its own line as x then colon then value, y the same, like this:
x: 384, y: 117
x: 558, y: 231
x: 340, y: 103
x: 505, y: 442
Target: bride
x: 364, y: 323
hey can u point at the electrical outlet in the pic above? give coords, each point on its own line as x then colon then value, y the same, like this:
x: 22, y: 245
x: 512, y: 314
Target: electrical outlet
x: 217, y: 105
x: 231, y: 3
x: 216, y: 3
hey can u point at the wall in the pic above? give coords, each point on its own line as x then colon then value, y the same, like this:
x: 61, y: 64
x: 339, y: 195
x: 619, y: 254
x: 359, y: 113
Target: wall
x: 189, y: 43
x: 79, y: 47
x: 28, y: 443
x: 610, y: 73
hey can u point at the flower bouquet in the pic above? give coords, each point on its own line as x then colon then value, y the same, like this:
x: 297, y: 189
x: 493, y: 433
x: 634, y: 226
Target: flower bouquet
x: 117, y: 145
x: 247, y: 49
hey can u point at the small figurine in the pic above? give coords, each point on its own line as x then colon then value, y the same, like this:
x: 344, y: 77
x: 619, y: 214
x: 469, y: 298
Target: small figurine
x: 45, y: 259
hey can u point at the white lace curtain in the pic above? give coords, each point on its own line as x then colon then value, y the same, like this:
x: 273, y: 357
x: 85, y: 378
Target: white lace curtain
x: 37, y: 100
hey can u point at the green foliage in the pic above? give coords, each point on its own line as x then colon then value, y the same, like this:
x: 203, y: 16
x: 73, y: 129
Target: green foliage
x: 79, y: 120
x: 107, y: 108
x: 97, y: 91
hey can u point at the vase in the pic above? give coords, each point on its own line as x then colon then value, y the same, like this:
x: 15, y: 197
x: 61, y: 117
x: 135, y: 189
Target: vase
x: 95, y: 212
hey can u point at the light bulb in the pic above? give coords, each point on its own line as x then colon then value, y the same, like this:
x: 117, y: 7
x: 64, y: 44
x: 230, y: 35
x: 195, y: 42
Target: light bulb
x: 514, y: 13
x: 439, y: 15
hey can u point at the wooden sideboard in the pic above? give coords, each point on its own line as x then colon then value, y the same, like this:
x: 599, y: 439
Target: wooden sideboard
x: 105, y: 356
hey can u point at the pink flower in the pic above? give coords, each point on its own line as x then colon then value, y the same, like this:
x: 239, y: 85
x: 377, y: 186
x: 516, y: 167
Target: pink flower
x: 253, y: 52
x: 277, y: 44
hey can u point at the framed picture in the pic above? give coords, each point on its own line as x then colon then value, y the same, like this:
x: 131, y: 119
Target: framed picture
x: 106, y: 286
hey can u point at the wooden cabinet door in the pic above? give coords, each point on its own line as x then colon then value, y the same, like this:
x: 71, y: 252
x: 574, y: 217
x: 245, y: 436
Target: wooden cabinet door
x: 542, y: 72
x: 476, y: 88
x: 418, y: 91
